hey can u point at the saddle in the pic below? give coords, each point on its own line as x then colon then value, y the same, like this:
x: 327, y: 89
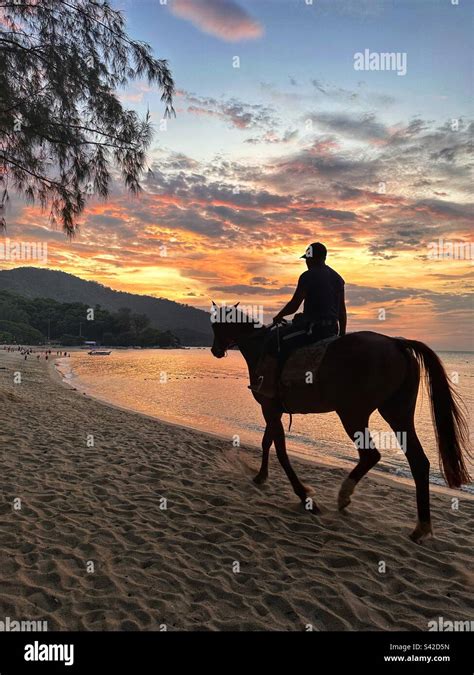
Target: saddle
x: 301, y: 367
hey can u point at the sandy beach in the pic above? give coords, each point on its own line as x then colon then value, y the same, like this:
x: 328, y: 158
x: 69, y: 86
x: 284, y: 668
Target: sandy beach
x: 114, y: 521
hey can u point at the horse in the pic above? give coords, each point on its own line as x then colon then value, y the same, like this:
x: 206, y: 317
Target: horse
x: 362, y: 372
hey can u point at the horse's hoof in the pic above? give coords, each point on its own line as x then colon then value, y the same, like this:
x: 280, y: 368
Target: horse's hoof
x: 260, y: 479
x: 345, y: 493
x: 310, y: 506
x: 342, y: 503
x: 421, y: 532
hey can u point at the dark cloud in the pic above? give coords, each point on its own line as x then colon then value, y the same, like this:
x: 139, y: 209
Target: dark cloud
x: 247, y: 289
x: 312, y: 169
x: 271, y: 137
x: 360, y: 127
x: 235, y: 113
x: 358, y: 296
x: 445, y: 208
x: 443, y: 303
x: 332, y: 214
x: 263, y: 281
x: 359, y: 96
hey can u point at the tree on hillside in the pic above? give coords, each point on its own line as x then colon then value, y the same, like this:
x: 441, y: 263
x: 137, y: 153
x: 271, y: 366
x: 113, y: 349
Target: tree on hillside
x: 62, y: 125
x: 37, y: 320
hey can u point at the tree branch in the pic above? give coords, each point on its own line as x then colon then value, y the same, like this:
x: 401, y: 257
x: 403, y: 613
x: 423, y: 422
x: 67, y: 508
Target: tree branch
x: 31, y: 173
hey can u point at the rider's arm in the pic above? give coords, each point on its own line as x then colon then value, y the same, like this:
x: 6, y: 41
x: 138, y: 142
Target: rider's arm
x: 292, y: 306
x: 342, y: 315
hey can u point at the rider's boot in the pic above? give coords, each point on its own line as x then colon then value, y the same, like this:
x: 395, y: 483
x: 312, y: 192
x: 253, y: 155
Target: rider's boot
x: 266, y: 377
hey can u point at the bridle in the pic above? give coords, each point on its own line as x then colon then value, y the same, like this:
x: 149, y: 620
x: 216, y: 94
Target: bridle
x: 221, y: 348
x: 233, y: 341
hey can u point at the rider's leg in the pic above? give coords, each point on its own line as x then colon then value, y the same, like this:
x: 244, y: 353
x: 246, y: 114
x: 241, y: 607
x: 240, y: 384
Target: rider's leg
x: 288, y: 339
x: 269, y: 367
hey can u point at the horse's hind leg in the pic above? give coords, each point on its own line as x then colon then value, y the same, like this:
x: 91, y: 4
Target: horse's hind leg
x: 399, y: 412
x: 403, y: 425
x: 267, y: 441
x: 356, y: 426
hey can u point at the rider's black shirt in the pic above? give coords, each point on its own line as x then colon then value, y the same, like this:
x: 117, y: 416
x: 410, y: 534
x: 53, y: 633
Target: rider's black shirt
x: 324, y: 289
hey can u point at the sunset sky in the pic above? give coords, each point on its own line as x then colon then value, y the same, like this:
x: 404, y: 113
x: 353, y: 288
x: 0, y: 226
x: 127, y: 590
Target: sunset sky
x: 294, y: 146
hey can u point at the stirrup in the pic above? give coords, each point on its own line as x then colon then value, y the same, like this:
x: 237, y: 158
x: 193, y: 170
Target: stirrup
x: 256, y: 388
x: 261, y: 386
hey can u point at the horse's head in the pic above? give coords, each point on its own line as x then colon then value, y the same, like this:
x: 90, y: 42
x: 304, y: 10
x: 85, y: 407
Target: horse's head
x: 228, y: 324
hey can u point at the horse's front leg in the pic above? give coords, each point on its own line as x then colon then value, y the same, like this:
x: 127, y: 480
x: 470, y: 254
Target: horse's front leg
x: 303, y: 492
x: 267, y: 441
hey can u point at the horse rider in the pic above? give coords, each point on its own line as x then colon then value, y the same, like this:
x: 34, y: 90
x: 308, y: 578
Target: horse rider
x: 324, y: 315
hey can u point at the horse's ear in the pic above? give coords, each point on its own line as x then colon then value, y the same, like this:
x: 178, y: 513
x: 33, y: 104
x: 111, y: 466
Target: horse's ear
x: 214, y: 304
x: 237, y: 303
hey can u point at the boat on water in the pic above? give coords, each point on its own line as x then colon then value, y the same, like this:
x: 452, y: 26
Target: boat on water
x: 89, y: 344
x: 99, y: 352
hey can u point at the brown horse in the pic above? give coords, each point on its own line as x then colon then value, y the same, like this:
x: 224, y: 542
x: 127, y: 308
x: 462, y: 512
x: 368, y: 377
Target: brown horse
x: 362, y: 372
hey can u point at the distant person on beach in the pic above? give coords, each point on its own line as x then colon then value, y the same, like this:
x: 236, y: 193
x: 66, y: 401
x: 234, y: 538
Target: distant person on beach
x: 324, y: 314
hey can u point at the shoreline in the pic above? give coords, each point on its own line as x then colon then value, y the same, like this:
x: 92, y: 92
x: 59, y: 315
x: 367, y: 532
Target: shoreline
x: 174, y: 562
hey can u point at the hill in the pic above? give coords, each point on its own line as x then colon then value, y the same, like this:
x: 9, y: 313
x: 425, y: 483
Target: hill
x: 190, y: 325
x: 36, y: 321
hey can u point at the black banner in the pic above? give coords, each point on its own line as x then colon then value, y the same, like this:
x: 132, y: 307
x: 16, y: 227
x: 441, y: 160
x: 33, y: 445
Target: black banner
x: 317, y: 652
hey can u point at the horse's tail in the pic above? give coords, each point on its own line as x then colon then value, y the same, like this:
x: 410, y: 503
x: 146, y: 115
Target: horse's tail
x: 449, y: 419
